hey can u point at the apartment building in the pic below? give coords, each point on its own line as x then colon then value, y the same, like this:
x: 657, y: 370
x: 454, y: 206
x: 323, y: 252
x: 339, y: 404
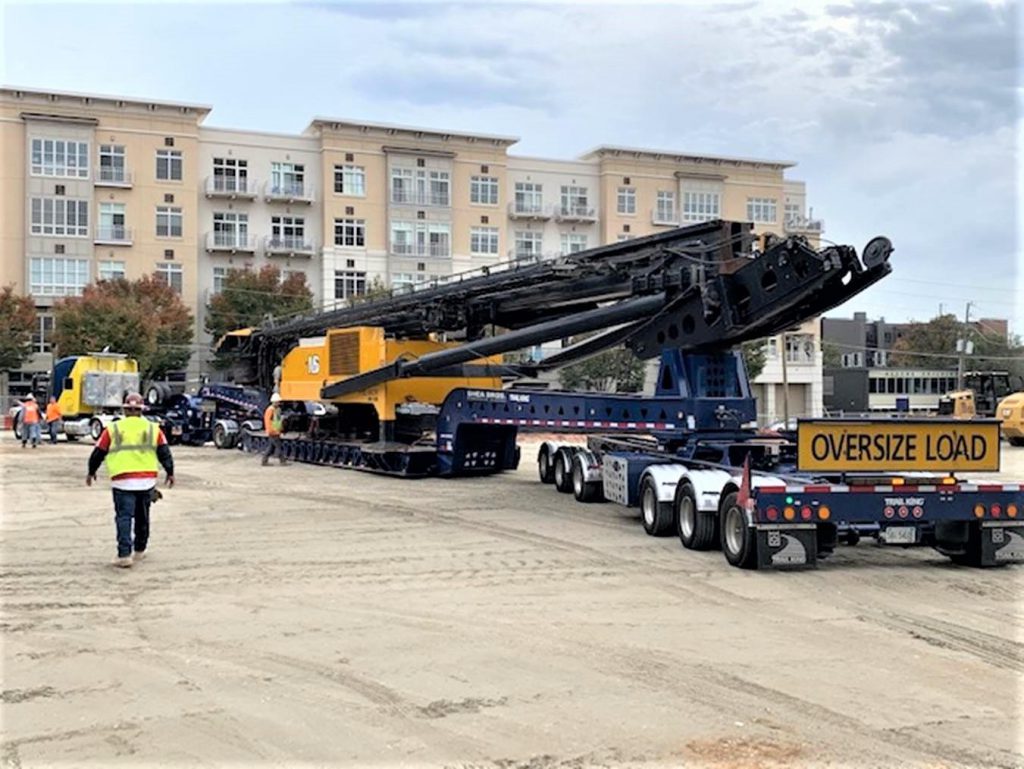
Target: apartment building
x: 98, y: 187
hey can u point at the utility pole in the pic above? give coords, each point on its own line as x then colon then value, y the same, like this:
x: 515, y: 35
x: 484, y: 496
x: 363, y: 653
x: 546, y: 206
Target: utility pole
x: 961, y: 347
x: 785, y: 383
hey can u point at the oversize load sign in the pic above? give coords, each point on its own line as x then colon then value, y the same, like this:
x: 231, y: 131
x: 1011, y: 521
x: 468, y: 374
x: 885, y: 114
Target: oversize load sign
x: 947, y: 446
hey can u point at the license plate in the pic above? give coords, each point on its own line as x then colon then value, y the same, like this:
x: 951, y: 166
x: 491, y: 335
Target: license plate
x: 900, y: 535
x: 208, y: 408
x: 175, y: 431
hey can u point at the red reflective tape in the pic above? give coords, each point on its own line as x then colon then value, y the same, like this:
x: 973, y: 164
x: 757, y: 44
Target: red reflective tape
x: 771, y: 489
x: 863, y: 489
x: 990, y: 487
x: 820, y: 489
x: 907, y: 488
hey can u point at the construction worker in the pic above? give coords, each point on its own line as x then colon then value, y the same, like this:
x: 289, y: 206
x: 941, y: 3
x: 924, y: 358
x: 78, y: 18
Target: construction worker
x: 30, y: 419
x: 53, y: 416
x: 273, y: 424
x: 133, y: 448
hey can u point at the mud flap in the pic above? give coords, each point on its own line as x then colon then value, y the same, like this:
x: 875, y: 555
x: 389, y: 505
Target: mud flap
x: 1001, y: 544
x: 787, y: 547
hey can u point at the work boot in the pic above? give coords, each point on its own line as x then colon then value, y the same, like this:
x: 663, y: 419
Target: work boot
x: 123, y: 563
x: 140, y: 554
x: 265, y: 461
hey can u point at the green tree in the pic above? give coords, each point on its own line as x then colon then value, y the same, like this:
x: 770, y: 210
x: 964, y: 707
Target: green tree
x: 614, y: 370
x: 17, y: 324
x: 936, y: 337
x: 249, y: 297
x: 753, y: 357
x: 831, y: 355
x: 144, y: 319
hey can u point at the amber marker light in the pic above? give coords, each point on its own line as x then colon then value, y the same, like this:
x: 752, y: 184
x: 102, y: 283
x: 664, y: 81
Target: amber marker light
x: 1011, y: 510
x: 824, y: 513
x: 979, y: 510
x: 789, y: 513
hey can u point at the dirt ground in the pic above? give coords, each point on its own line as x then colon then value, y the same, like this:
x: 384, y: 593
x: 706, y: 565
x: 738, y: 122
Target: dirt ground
x: 306, y: 616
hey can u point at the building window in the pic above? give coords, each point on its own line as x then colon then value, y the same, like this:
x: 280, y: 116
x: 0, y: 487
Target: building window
x: 350, y: 180
x: 574, y: 201
x: 171, y: 274
x: 168, y: 222
x: 58, y: 276
x: 349, y: 283
x: 528, y: 245
x: 59, y: 157
x: 112, y: 166
x: 110, y: 270
x: 627, y: 200
x: 701, y: 206
x: 60, y: 216
x: 761, y: 210
x: 230, y: 175
x: 220, y: 274
x: 111, y: 224
x: 483, y: 190
x: 853, y: 360
x: 287, y: 178
x: 43, y: 333
x: 529, y: 198
x: 483, y: 241
x: 402, y: 281
x: 623, y: 237
x: 573, y: 243
x: 288, y: 231
x: 231, y: 229
x: 421, y: 239
x: 350, y: 233
x: 792, y: 212
x: 420, y: 187
x: 799, y: 348
x: 665, y: 207
x: 168, y: 165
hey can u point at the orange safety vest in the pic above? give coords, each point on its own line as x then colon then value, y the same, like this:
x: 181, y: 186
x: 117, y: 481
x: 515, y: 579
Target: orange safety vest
x: 271, y: 422
x: 30, y: 412
x: 52, y: 412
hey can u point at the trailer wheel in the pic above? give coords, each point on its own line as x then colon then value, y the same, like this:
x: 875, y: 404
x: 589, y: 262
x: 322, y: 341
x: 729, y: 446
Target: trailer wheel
x: 17, y: 428
x: 971, y: 555
x: 739, y: 541
x: 1016, y: 441
x: 95, y: 429
x: 656, y: 517
x: 222, y: 439
x: 545, y: 468
x: 696, y: 529
x: 582, y: 489
x: 563, y: 475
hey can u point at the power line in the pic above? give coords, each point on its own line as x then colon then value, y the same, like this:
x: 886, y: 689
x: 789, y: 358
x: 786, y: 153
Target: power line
x: 919, y: 353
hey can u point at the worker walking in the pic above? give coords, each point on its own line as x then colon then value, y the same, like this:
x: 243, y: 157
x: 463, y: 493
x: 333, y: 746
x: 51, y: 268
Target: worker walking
x: 30, y: 421
x: 133, y: 448
x: 273, y: 424
x: 53, y: 416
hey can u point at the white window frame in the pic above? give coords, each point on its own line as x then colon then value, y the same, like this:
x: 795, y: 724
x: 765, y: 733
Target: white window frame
x: 626, y: 201
x: 665, y: 206
x: 288, y: 178
x: 169, y: 165
x: 230, y: 175
x: 529, y: 244
x: 59, y: 217
x: 112, y: 221
x: 65, y: 277
x: 220, y: 274
x: 288, y: 231
x: 349, y: 229
x: 44, y: 330
x: 402, y: 281
x: 575, y: 200
x: 701, y: 206
x: 762, y: 210
x: 171, y: 273
x: 168, y: 216
x: 115, y: 169
x: 350, y: 180
x: 351, y: 282
x: 230, y: 229
x: 574, y: 242
x: 483, y: 190
x: 529, y: 197
x: 110, y: 269
x: 65, y: 158
x: 484, y: 241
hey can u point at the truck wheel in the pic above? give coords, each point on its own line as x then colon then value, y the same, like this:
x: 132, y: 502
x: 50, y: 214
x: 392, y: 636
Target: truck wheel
x: 739, y: 541
x: 95, y: 429
x: 563, y: 476
x: 1016, y: 441
x: 696, y: 529
x: 582, y: 489
x: 156, y: 394
x: 545, y: 468
x: 17, y: 428
x: 971, y: 555
x: 656, y: 517
x: 71, y: 438
x: 220, y: 437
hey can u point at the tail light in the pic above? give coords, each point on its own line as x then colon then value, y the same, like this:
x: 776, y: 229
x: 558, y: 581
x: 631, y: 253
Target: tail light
x: 904, y: 511
x: 996, y: 510
x: 918, y: 511
x: 889, y: 511
x: 772, y: 513
x: 806, y: 513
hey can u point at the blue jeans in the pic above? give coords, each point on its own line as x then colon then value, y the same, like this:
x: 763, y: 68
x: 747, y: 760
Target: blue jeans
x: 53, y: 427
x: 131, y: 506
x: 30, y: 432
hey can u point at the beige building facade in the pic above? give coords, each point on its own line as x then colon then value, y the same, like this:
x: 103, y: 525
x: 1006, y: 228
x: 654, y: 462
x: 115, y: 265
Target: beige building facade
x: 97, y: 187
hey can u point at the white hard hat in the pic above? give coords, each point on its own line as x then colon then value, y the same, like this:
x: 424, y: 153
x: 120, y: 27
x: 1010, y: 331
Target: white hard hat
x: 275, y: 398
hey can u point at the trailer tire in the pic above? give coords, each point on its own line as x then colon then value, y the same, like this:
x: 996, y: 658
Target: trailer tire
x: 563, y: 473
x: 696, y: 530
x: 582, y: 489
x: 656, y: 516
x: 1016, y: 441
x: 95, y: 429
x: 971, y: 556
x: 156, y: 394
x: 545, y: 467
x: 739, y: 541
x: 17, y: 428
x: 222, y: 439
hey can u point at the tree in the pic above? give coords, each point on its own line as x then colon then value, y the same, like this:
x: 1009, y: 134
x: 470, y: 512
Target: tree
x: 17, y: 324
x: 615, y: 370
x: 144, y: 319
x: 376, y: 290
x: 248, y: 297
x: 753, y: 357
x: 937, y: 337
x: 831, y: 355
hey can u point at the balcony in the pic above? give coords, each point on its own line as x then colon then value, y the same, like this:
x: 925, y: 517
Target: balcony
x: 419, y: 198
x: 230, y: 187
x: 230, y: 242
x: 575, y: 213
x: 523, y: 209
x: 288, y: 192
x: 287, y: 245
x: 665, y: 217
x: 113, y: 235
x: 433, y: 250
x: 110, y: 176
x: 802, y: 224
x: 521, y: 256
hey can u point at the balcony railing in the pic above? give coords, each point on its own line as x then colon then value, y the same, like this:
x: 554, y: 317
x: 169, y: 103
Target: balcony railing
x: 524, y: 209
x: 802, y: 224
x: 288, y: 244
x: 230, y: 187
x: 230, y: 241
x: 113, y: 235
x: 665, y: 216
x: 113, y: 176
x: 289, y: 192
x: 417, y: 198
x: 420, y: 249
x: 575, y: 213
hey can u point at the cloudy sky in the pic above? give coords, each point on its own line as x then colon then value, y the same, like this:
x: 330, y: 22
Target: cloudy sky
x: 903, y: 116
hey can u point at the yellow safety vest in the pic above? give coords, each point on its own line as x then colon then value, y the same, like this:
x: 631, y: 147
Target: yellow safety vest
x: 132, y: 447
